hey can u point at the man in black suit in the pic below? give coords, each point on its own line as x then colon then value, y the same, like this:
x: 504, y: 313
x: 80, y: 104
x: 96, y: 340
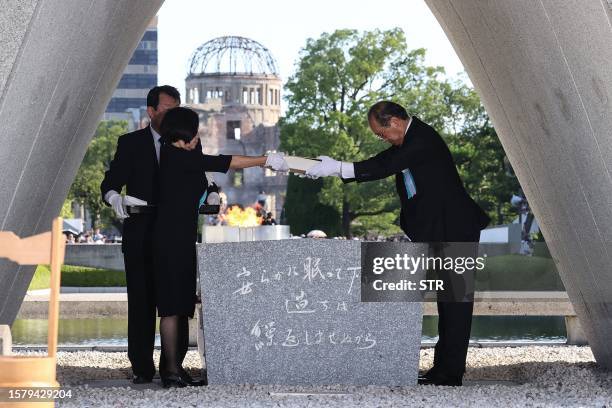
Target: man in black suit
x: 136, y: 166
x: 434, y: 208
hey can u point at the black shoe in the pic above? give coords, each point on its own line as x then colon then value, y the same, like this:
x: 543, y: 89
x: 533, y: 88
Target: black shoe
x: 139, y: 379
x: 439, y: 379
x: 194, y: 383
x: 181, y: 380
x: 173, y: 381
x: 427, y: 374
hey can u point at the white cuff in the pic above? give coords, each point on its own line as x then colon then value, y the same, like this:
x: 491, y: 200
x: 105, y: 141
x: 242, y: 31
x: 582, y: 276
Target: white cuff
x: 108, y: 195
x: 347, y: 170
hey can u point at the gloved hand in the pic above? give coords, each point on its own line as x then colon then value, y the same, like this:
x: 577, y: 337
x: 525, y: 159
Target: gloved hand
x: 276, y: 161
x: 116, y: 201
x: 213, y: 197
x: 129, y: 200
x: 327, y: 167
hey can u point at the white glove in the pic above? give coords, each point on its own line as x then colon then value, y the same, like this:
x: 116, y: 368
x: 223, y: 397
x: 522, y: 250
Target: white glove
x: 213, y: 198
x: 116, y: 201
x: 327, y: 167
x: 306, y: 176
x: 129, y: 200
x: 276, y: 161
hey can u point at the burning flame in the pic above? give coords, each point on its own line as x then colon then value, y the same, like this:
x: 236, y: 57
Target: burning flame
x: 237, y: 217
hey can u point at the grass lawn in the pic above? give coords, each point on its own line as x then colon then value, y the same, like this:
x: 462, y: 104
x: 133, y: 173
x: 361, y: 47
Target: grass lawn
x: 518, y: 272
x: 78, y: 276
x: 519, y: 263
x: 515, y: 272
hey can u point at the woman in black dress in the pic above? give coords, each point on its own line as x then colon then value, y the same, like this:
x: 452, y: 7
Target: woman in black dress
x: 182, y: 184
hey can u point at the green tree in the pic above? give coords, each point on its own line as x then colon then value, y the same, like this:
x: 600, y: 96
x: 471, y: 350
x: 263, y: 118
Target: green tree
x: 66, y: 211
x: 478, y: 154
x: 305, y: 211
x: 86, y: 186
x: 338, y: 77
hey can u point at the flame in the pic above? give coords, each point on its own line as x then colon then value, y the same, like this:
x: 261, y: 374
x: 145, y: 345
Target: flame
x: 237, y: 217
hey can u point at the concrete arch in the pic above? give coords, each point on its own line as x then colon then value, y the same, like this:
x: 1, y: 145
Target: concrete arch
x: 60, y: 61
x: 541, y: 67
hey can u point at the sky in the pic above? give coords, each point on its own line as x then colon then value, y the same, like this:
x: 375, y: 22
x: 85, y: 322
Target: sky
x: 284, y: 26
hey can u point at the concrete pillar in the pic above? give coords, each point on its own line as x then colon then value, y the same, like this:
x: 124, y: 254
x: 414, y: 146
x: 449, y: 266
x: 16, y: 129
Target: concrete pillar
x: 575, y: 334
x: 60, y: 61
x: 542, y: 69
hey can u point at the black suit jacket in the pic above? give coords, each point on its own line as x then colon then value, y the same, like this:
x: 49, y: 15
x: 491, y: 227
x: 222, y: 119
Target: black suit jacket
x: 440, y: 210
x: 135, y: 167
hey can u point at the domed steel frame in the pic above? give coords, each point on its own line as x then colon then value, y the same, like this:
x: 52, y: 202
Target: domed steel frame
x: 232, y: 55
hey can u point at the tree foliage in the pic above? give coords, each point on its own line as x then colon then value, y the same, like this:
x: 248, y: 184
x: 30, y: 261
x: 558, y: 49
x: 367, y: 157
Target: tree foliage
x: 305, y: 211
x: 66, y: 211
x: 479, y: 155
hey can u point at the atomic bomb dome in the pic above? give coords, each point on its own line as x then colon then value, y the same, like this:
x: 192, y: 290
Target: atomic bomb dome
x: 235, y: 71
x: 232, y: 55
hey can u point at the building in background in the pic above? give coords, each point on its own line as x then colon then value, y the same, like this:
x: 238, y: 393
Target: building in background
x: 129, y: 101
x: 234, y: 85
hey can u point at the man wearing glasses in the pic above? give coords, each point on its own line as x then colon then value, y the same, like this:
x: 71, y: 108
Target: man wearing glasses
x: 434, y: 208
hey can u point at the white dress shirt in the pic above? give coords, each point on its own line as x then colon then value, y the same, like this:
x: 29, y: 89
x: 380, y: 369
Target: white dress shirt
x: 156, y: 142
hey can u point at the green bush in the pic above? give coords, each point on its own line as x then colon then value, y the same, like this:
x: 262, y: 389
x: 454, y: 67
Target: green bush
x: 304, y: 212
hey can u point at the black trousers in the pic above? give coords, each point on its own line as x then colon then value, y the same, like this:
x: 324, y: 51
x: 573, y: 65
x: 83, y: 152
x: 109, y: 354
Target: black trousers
x: 138, y: 258
x: 454, y: 326
x: 454, y: 316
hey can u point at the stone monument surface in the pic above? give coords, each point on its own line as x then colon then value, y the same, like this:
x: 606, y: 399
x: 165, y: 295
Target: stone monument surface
x: 289, y: 312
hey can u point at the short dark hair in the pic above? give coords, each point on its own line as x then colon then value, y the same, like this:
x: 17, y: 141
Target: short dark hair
x: 153, y: 95
x: 179, y: 124
x: 383, y: 111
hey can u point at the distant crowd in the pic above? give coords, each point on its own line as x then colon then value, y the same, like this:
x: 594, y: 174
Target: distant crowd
x: 90, y: 237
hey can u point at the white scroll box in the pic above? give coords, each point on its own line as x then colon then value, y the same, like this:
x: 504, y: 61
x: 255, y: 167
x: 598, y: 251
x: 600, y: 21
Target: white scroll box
x: 300, y: 164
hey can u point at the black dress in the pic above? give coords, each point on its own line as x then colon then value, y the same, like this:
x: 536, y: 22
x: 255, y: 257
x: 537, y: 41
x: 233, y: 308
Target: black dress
x: 182, y: 184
